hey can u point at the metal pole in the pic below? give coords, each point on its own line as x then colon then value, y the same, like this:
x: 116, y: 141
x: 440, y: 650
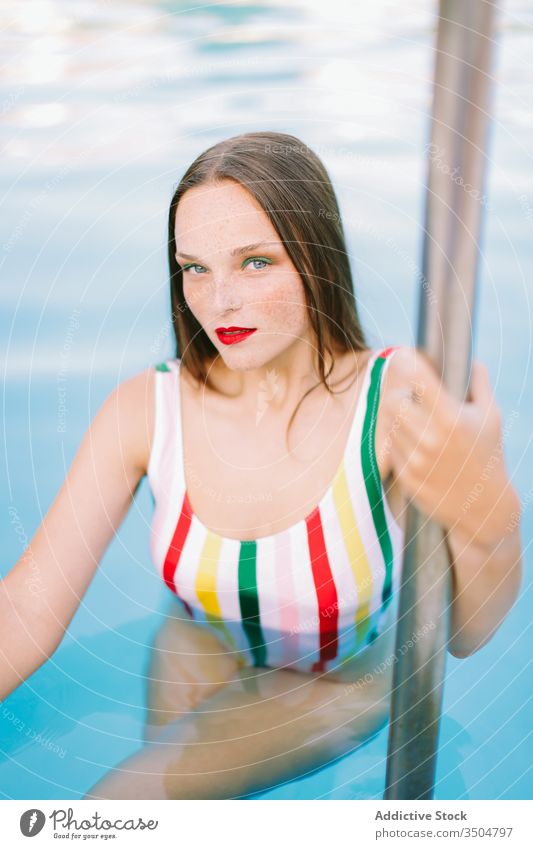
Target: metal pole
x: 454, y: 203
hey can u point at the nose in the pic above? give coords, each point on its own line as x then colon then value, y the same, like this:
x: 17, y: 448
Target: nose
x: 226, y: 295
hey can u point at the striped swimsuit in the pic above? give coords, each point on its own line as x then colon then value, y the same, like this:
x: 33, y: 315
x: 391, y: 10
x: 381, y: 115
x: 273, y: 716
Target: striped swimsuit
x: 309, y: 597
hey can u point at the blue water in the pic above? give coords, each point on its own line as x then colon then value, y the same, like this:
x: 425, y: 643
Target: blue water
x: 103, y: 108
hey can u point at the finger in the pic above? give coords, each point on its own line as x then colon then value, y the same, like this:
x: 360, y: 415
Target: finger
x: 480, y: 390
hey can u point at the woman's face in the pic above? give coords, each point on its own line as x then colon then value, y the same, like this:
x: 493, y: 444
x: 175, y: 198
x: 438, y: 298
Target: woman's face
x: 237, y: 273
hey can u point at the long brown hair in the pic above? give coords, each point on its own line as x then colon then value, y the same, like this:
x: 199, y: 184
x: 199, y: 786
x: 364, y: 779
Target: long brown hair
x: 293, y: 187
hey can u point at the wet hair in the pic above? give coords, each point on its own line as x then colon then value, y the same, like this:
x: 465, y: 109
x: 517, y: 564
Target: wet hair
x: 291, y: 184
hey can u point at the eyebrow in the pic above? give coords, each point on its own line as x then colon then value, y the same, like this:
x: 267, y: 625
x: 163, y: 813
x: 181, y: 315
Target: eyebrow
x: 244, y: 249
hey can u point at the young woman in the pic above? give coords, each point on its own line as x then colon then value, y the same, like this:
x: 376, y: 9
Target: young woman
x: 279, y: 449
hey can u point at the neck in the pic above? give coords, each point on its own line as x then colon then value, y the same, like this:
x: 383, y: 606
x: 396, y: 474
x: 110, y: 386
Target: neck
x: 279, y: 383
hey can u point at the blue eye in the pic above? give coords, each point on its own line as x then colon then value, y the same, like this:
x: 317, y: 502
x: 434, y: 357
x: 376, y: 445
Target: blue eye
x: 192, y: 265
x: 257, y: 259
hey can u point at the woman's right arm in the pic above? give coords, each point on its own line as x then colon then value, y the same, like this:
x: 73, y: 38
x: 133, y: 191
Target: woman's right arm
x: 43, y: 590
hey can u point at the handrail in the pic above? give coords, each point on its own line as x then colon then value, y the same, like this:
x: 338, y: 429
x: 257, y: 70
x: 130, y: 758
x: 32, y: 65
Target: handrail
x: 453, y: 216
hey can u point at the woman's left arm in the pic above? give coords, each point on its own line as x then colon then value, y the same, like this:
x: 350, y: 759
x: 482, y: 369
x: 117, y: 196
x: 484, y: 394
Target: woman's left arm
x: 448, y: 458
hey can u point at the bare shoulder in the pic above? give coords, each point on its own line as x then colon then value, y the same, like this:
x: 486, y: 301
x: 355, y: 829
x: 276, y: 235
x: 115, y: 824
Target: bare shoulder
x: 134, y: 402
x: 407, y: 365
x: 408, y: 368
x: 403, y: 361
x: 403, y: 366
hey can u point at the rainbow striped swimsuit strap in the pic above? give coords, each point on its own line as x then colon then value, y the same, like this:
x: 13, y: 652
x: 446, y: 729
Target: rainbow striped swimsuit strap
x: 370, y: 468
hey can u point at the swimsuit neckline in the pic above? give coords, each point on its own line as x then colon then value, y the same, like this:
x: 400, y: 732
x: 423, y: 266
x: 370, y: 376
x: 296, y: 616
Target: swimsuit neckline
x: 301, y: 523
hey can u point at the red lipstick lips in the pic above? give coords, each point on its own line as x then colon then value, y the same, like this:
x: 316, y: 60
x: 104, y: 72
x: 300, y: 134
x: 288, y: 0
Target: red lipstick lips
x: 231, y: 335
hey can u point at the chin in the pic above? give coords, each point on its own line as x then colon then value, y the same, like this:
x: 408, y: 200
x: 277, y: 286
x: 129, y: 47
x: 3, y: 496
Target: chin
x: 244, y: 363
x: 245, y: 360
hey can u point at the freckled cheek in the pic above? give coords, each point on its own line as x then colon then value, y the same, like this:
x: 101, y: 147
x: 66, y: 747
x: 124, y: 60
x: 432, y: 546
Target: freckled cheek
x: 282, y: 313
x: 284, y: 304
x: 198, y: 299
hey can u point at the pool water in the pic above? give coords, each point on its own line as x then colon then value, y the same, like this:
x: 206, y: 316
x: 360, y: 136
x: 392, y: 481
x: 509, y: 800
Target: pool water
x: 104, y: 106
